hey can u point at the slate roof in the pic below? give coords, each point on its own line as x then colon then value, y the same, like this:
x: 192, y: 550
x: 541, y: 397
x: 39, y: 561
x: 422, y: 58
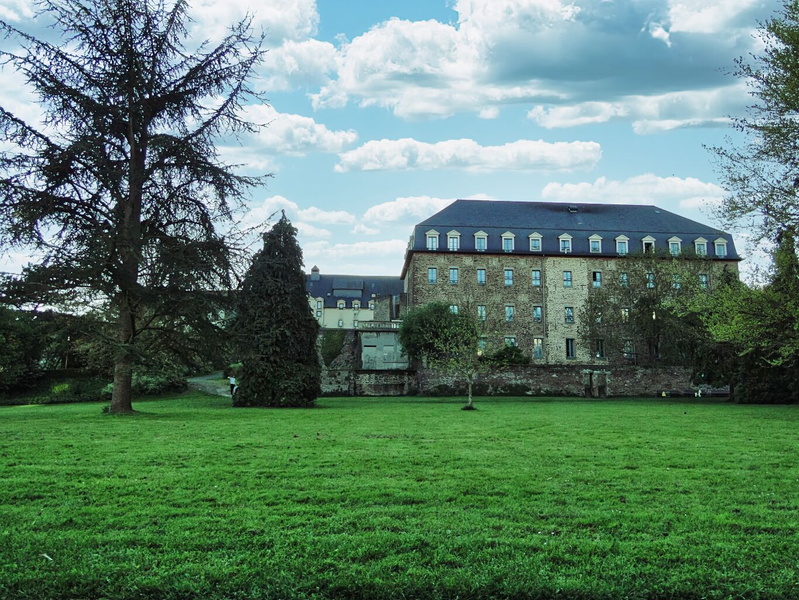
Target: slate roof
x: 552, y: 219
x: 332, y: 288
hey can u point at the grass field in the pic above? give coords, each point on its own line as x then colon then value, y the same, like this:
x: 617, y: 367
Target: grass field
x: 400, y: 498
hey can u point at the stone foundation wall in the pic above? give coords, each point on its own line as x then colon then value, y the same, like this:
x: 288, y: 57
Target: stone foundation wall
x: 549, y: 380
x: 566, y: 380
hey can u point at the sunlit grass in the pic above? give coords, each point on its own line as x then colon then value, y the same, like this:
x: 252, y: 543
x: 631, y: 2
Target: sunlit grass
x: 399, y: 498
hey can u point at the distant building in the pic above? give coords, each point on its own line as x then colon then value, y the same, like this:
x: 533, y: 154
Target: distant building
x: 537, y: 262
x: 370, y: 305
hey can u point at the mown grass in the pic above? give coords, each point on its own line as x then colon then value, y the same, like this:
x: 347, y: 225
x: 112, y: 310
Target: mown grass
x: 400, y: 498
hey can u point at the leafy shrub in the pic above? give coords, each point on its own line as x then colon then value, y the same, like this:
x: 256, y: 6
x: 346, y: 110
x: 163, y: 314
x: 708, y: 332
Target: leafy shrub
x: 332, y: 343
x: 508, y: 356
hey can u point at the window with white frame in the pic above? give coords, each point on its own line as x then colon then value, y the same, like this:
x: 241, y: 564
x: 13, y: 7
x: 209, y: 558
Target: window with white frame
x: 535, y: 242
x: 565, y: 241
x: 341, y: 304
x: 432, y: 275
x: 482, y: 342
x: 480, y: 241
x: 432, y: 240
x: 622, y: 245
x: 721, y: 247
x: 676, y: 281
x: 700, y: 246
x: 567, y: 279
x: 648, y: 244
x: 569, y: 314
x: 481, y: 276
x: 453, y: 241
x: 650, y: 280
x: 536, y: 277
x: 510, y: 341
x: 510, y: 313
x: 481, y: 312
x: 371, y: 305
x: 453, y: 308
x: 595, y: 244
x: 703, y: 281
x: 624, y: 279
x: 508, y: 277
x: 508, y: 241
x: 453, y: 275
x: 318, y: 304
x: 596, y: 279
x: 356, y: 305
x: 538, y: 347
x: 538, y: 314
x: 675, y: 246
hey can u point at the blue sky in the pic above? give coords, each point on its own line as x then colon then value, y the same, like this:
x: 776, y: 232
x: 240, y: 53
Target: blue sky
x: 382, y: 112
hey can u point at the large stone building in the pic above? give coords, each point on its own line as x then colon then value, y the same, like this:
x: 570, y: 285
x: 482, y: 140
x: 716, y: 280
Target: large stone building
x: 535, y: 263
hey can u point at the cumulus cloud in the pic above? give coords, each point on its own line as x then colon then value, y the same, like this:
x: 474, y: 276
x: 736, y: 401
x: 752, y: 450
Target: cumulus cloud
x: 330, y: 217
x: 281, y: 19
x: 404, y: 209
x: 466, y: 154
x: 298, y: 64
x: 293, y: 134
x: 650, y: 114
x: 16, y: 10
x: 641, y: 189
x: 500, y: 52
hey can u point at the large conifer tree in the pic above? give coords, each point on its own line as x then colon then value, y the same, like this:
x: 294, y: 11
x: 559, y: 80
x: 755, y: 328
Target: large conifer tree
x: 274, y: 328
x: 119, y: 191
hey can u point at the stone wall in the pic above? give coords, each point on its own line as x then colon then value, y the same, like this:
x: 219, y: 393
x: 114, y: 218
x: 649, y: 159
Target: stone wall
x: 557, y: 380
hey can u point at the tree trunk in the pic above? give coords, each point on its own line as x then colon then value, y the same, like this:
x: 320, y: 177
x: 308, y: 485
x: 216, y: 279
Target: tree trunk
x: 121, y: 397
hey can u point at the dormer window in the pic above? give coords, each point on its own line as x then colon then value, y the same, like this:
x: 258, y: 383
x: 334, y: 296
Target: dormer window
x: 356, y: 305
x: 595, y: 244
x: 508, y: 241
x: 535, y: 242
x: 565, y: 243
x: 341, y: 304
x: 432, y: 240
x: 721, y: 247
x: 453, y: 241
x: 480, y: 241
x: 622, y: 245
x: 648, y: 244
x: 675, y: 246
x: 700, y: 246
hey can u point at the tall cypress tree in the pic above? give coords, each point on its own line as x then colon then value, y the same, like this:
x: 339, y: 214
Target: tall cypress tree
x: 275, y: 329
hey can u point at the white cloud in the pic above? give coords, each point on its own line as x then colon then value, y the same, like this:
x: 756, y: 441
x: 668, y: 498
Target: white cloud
x: 361, y: 229
x: 323, y: 252
x: 403, y: 209
x: 641, y: 189
x: 293, y: 134
x: 707, y: 16
x: 305, y: 230
x: 280, y: 19
x: 650, y: 114
x: 500, y: 52
x: 16, y: 10
x: 268, y: 211
x: 329, y: 217
x: 522, y: 155
x: 298, y: 64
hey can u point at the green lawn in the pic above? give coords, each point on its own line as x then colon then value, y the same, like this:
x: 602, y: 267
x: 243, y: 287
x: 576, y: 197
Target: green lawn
x: 400, y: 498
